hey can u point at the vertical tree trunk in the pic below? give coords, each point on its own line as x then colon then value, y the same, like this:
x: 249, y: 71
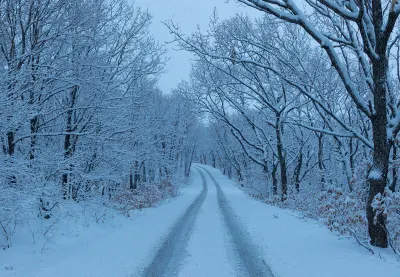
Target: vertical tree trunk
x: 188, y: 163
x: 213, y: 159
x: 321, y: 165
x: 230, y: 171
x: 136, y: 175
x: 11, y: 149
x: 10, y: 142
x: 131, y: 187
x: 274, y: 179
x: 34, y: 122
x: 34, y: 127
x: 298, y: 171
x: 351, y: 159
x: 346, y: 163
x: 144, y: 172
x: 281, y: 157
x: 377, y: 182
x: 68, y: 147
x: 67, y: 153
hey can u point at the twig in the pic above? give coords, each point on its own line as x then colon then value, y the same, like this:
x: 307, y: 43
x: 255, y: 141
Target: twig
x: 48, y: 229
x: 390, y: 241
x: 354, y: 233
x: 5, y: 233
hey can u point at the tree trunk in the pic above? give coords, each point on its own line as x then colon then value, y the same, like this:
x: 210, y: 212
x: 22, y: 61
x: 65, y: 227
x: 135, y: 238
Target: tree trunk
x: 213, y: 159
x: 136, y: 175
x: 274, y: 179
x: 188, y: 163
x: 11, y: 149
x: 131, y: 187
x: 239, y: 174
x: 34, y: 126
x: 298, y: 171
x: 281, y: 157
x: 377, y: 182
x: 144, y: 172
x: 321, y: 165
x: 67, y: 149
x: 68, y: 146
x: 230, y: 171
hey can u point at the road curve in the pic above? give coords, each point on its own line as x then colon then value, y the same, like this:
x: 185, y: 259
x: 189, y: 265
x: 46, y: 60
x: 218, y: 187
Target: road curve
x: 247, y: 252
x: 168, y: 258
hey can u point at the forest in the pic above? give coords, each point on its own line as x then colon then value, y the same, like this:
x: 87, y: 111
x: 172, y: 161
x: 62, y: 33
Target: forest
x: 300, y: 106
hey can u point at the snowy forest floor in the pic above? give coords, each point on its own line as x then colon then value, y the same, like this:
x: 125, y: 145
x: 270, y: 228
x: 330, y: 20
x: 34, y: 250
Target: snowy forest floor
x: 211, y: 229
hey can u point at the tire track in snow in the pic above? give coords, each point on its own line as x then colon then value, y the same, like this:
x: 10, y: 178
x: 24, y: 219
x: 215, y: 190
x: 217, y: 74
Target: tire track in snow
x: 249, y: 254
x: 168, y: 258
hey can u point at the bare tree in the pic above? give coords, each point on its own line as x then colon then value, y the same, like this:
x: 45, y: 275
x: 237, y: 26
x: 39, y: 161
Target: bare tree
x: 366, y: 29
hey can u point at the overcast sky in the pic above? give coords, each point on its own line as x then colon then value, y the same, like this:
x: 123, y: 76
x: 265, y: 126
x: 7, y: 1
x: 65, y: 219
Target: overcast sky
x: 188, y: 14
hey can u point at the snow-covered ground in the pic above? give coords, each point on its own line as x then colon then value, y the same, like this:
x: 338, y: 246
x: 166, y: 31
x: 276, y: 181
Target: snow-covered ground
x: 288, y: 245
x: 100, y: 251
x: 303, y: 248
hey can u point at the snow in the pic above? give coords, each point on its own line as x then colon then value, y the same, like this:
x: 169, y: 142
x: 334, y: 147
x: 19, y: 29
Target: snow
x: 375, y: 174
x: 291, y: 246
x: 97, y: 251
x: 300, y: 247
x: 208, y: 243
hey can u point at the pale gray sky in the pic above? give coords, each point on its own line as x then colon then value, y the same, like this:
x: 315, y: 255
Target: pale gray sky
x: 188, y: 14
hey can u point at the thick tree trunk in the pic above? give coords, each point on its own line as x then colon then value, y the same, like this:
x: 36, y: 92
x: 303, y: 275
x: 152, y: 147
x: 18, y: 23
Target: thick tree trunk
x: 377, y: 180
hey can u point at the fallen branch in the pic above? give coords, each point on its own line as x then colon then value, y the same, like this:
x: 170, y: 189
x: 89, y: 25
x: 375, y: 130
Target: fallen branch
x: 353, y: 233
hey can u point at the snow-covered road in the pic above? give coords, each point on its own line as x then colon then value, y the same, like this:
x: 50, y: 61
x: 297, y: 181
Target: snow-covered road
x: 249, y: 259
x: 235, y: 235
x: 219, y: 246
x: 169, y: 256
x: 212, y: 229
